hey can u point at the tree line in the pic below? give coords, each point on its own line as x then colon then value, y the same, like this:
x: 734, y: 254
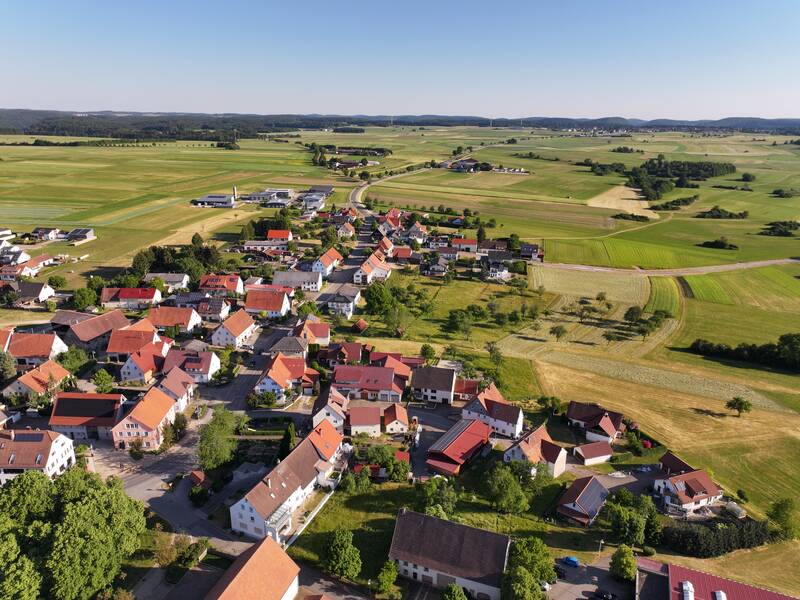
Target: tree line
x: 784, y: 354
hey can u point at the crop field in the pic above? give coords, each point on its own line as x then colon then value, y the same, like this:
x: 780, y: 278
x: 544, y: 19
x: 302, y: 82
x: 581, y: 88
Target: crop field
x: 771, y: 288
x: 706, y: 288
x: 664, y: 295
x: 618, y: 287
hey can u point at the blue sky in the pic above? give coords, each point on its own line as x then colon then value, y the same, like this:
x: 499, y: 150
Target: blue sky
x: 584, y: 58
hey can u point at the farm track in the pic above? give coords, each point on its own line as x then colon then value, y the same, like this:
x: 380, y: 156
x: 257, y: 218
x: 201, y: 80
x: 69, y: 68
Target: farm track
x: 754, y: 264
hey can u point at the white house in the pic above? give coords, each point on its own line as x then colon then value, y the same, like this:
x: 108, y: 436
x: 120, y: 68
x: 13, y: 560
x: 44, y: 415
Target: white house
x: 186, y: 319
x: 34, y: 450
x: 200, y: 365
x: 433, y: 384
x: 304, y: 280
x: 278, y: 239
x: 536, y: 446
x: 343, y: 302
x: 180, y: 386
x: 274, y: 303
x: 33, y: 349
x: 267, y: 510
x: 597, y: 423
x: 283, y: 374
x: 686, y: 492
x: 330, y: 406
x: 172, y: 281
x: 235, y: 330
x: 491, y: 408
x: 364, y: 420
x: 374, y: 268
x: 327, y: 262
x: 438, y: 552
x: 395, y: 419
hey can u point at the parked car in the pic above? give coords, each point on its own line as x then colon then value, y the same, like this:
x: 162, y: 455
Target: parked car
x: 571, y: 561
x: 604, y: 595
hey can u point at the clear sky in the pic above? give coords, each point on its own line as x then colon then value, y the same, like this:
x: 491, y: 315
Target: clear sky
x: 579, y: 58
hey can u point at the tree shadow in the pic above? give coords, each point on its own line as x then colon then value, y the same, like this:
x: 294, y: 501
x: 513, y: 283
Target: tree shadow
x: 708, y: 412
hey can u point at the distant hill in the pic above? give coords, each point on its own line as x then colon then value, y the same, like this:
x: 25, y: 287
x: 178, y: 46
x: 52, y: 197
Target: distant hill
x: 221, y: 127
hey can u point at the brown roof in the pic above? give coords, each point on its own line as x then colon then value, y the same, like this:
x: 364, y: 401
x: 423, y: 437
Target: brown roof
x: 26, y: 449
x: 433, y: 378
x: 333, y: 398
x: 262, y: 572
x: 265, y: 300
x: 131, y: 338
x: 671, y: 463
x: 217, y: 282
x: 96, y: 326
x: 25, y: 345
x: 188, y: 360
x: 450, y: 548
x: 588, y: 494
x: 538, y: 446
x: 395, y: 412
x: 693, y: 486
x: 238, y: 322
x: 594, y: 450
x: 595, y: 416
x: 176, y: 382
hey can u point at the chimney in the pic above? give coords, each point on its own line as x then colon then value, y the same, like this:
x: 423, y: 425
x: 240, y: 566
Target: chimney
x: 12, y: 434
x: 269, y: 482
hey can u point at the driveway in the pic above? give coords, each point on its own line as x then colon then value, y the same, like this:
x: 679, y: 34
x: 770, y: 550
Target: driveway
x: 633, y: 479
x: 314, y: 582
x: 581, y: 583
x: 434, y: 422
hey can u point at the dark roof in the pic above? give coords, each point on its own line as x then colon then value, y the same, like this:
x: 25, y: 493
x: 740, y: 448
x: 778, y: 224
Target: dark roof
x: 290, y: 344
x: 433, y: 378
x: 591, y: 414
x: 85, y: 409
x: 450, y: 548
x: 671, y: 463
x: 588, y: 493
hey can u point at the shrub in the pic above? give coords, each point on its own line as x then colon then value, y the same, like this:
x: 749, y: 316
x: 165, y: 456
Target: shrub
x: 648, y: 551
x: 198, y: 495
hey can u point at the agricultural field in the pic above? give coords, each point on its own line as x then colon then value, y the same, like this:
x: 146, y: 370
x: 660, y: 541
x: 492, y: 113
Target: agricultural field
x: 664, y: 295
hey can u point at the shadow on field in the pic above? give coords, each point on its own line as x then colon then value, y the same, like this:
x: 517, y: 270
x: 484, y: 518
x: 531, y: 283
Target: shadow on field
x: 709, y: 413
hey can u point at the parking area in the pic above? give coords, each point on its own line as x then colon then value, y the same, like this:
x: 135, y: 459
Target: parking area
x: 582, y: 582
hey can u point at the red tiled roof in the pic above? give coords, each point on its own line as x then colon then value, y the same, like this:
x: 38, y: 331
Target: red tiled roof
x: 137, y: 293
x: 364, y: 416
x: 330, y: 257
x: 278, y: 234
x: 326, y: 439
x: 38, y: 380
x: 372, y: 379
x: 218, y: 282
x: 594, y: 450
x: 395, y: 412
x: 96, y: 326
x: 706, y: 584
x: 265, y: 300
x: 263, y: 572
x: 464, y: 242
x: 693, y: 486
x: 31, y: 345
x: 238, y: 322
x: 460, y: 443
x: 169, y: 316
x: 150, y: 358
x: 130, y: 339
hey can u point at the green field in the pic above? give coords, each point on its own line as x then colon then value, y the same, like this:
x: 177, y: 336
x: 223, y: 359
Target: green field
x: 664, y: 295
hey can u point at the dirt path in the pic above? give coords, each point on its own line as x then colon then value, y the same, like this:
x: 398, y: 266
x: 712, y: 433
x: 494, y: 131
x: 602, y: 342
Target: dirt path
x: 675, y: 272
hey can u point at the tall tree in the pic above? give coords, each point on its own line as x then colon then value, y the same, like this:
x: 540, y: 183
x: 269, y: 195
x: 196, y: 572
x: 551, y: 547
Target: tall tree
x: 217, y: 443
x: 504, y: 490
x: 387, y: 577
x: 103, y: 381
x: 519, y: 584
x: 623, y: 563
x: 784, y: 518
x: 342, y: 557
x: 288, y: 442
x: 454, y: 592
x: 532, y: 554
x: 739, y: 405
x: 8, y: 367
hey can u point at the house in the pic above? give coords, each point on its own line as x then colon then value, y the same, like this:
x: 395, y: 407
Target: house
x: 364, y: 420
x: 29, y: 293
x: 438, y: 552
x: 457, y: 446
x: 345, y: 230
x: 672, y: 465
x: 598, y: 423
x: 491, y: 408
x: 85, y: 416
x: 268, y: 508
x: 331, y: 406
x: 216, y: 201
x: 436, y: 242
x: 145, y: 421
x: 266, y: 287
x: 201, y: 366
x: 582, y: 500
x: 536, y: 446
x: 593, y: 453
x: 33, y: 349
x: 381, y: 359
x: 385, y: 247
x: 290, y: 345
x: 129, y: 298
x: 497, y: 270
x: 659, y: 581
x: 214, y: 308
x: 530, y: 252
x: 464, y: 244
x: 284, y: 375
x: 304, y: 280
x: 686, y: 492
x: 172, y: 281
x: 403, y: 254
x: 327, y: 262
x: 235, y: 330
x: 274, y: 304
x: 433, y: 384
x: 185, y: 319
x: 325, y: 190
x: 39, y: 381
x: 395, y: 419
x: 360, y: 326
x: 279, y: 239
x: 221, y: 285
x: 343, y: 302
x: 200, y: 478
x: 46, y: 233
x: 93, y: 332
x: 438, y: 268
x: 486, y: 245
x: 129, y: 339
x: 144, y: 364
x: 374, y: 268
x: 180, y: 386
x: 34, y: 450
x: 341, y: 353
x: 262, y: 572
x: 314, y: 331
x: 189, y: 299
x: 368, y: 383
x: 417, y: 232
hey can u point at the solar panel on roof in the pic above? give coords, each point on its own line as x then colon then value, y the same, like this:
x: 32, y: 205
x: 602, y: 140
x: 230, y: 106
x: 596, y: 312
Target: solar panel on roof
x: 450, y: 435
x: 593, y: 497
x: 28, y: 437
x: 85, y: 407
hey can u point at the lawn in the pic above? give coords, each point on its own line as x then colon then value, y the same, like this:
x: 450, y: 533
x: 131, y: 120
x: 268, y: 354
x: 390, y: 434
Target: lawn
x: 774, y: 288
x: 618, y: 287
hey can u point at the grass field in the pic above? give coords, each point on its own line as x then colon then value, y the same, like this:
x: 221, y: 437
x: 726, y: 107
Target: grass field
x: 619, y: 287
x: 706, y: 288
x: 664, y: 295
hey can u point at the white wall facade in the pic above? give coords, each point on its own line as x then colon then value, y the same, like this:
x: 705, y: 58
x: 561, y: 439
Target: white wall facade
x: 479, y: 591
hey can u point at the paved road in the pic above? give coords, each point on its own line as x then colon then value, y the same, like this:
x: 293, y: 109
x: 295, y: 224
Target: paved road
x: 675, y: 272
x: 581, y: 583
